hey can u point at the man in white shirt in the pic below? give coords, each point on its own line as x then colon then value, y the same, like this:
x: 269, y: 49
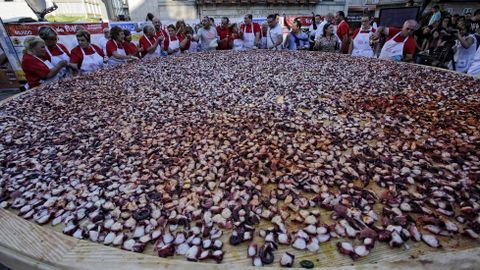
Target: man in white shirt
x: 328, y: 19
x: 274, y: 33
x: 102, y: 42
x: 313, y: 28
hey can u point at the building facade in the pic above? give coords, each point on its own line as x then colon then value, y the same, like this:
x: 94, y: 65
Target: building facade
x: 195, y: 9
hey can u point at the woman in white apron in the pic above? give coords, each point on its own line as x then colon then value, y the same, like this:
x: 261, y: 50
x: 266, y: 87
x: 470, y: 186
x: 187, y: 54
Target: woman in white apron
x: 361, y: 43
x: 465, y: 48
x: 250, y: 38
x: 39, y: 71
x: 150, y: 43
x: 57, y: 52
x: 474, y: 69
x: 89, y: 57
x: 173, y: 42
x: 115, y: 50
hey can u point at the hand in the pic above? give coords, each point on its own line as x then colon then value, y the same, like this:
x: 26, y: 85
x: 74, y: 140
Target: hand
x: 105, y: 59
x: 189, y: 36
x: 161, y: 38
x: 62, y: 63
x: 132, y: 58
x: 74, y: 67
x: 254, y: 47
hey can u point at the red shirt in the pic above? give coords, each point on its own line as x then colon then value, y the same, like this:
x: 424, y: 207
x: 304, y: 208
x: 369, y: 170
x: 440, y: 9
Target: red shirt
x: 410, y: 45
x: 77, y: 53
x: 355, y: 33
x: 35, y: 70
x: 145, y: 44
x: 130, y: 48
x: 165, y: 38
x: 112, y: 46
x: 343, y: 29
x: 181, y: 38
x: 256, y: 28
x: 223, y: 33
x: 56, y: 50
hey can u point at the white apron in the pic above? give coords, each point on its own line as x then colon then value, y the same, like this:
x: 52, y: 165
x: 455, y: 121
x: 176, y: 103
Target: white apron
x: 361, y: 44
x: 238, y: 44
x: 56, y: 59
x: 114, y: 61
x: 91, y: 62
x: 173, y: 45
x: 156, y: 53
x: 464, y: 57
x: 474, y: 69
x: 248, y: 38
x: 50, y: 67
x: 263, y: 42
x: 393, y: 50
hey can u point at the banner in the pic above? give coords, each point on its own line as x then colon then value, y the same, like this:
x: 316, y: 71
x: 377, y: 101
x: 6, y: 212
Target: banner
x: 18, y: 32
x: 306, y: 21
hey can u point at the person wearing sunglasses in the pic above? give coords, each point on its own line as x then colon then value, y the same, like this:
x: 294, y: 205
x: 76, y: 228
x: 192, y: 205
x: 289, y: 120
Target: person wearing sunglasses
x: 360, y: 45
x: 401, y: 44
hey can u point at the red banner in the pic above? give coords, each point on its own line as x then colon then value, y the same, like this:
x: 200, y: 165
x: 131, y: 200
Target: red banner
x: 306, y: 21
x: 23, y: 29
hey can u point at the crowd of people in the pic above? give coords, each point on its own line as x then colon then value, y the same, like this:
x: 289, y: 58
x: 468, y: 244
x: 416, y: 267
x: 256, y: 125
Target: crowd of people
x: 444, y: 41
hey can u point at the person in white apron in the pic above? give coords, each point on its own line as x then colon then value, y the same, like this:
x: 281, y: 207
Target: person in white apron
x: 235, y: 40
x: 393, y: 50
x: 55, y: 51
x: 115, y: 50
x: 251, y: 40
x: 150, y: 43
x: 361, y: 43
x: 474, y: 69
x: 465, y: 48
x: 87, y: 55
x: 39, y: 71
x: 173, y: 42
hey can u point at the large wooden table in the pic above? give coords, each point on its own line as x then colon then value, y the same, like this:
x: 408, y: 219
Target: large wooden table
x: 26, y: 245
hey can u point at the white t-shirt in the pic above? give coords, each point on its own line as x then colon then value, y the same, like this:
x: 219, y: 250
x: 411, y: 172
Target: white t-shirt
x: 273, y: 34
x: 207, y: 37
x: 312, y: 32
x: 102, y: 43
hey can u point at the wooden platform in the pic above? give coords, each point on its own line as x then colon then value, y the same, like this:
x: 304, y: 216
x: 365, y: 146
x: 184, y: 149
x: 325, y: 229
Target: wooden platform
x: 27, y: 246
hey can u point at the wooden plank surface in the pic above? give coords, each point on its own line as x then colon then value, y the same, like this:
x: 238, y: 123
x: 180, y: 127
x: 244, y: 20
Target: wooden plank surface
x: 24, y: 245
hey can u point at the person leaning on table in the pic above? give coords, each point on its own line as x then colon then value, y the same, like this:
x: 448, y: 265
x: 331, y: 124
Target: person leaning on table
x: 115, y: 50
x: 37, y: 70
x: 55, y: 51
x: 360, y: 45
x: 88, y: 57
x: 401, y: 44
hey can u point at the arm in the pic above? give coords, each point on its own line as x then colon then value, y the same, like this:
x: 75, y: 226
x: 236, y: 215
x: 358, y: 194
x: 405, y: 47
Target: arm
x: 257, y: 39
x: 184, y: 42
x: 465, y: 42
x: 285, y: 42
x: 154, y: 46
x: 350, y: 48
x: 54, y: 71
